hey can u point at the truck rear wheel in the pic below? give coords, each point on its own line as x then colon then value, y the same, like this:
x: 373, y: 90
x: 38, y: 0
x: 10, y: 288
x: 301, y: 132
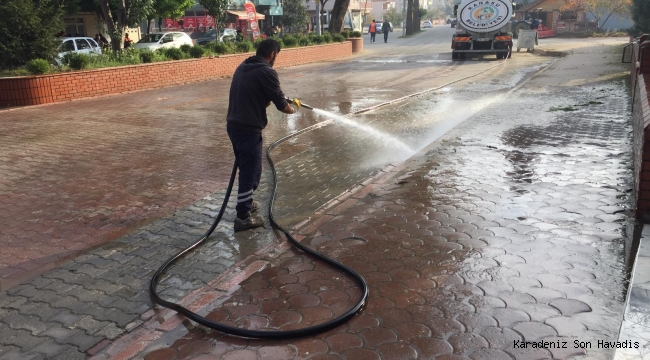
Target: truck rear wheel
x: 454, y: 55
x: 499, y: 56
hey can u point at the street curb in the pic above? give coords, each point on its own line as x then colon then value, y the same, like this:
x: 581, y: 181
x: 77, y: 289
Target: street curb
x: 550, y: 53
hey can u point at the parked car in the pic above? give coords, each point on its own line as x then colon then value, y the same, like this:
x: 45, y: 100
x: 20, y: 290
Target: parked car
x: 82, y: 45
x: 427, y: 24
x: 224, y: 34
x: 163, y: 40
x: 453, y: 22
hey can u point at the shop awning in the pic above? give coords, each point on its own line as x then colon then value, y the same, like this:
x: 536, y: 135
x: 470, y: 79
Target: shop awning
x: 241, y: 15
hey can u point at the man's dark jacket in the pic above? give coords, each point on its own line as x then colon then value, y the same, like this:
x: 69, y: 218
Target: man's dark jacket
x: 385, y: 27
x: 254, y: 84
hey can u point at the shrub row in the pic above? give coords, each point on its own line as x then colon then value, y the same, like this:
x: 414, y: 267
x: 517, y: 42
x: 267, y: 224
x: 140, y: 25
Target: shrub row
x: 132, y: 56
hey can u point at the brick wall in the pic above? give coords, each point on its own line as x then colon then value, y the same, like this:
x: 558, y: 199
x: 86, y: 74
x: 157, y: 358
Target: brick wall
x: 34, y: 90
x: 641, y: 125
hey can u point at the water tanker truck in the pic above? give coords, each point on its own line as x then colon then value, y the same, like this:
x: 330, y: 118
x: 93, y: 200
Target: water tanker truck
x: 483, y: 28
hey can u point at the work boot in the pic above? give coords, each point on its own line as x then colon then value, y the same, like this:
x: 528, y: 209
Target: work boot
x: 251, y: 222
x: 256, y: 206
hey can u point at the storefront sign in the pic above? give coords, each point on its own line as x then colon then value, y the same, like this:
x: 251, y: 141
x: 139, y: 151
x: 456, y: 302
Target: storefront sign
x: 252, y: 19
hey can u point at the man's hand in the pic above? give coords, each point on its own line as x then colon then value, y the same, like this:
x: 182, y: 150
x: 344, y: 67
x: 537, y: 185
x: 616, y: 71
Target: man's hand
x: 296, y: 103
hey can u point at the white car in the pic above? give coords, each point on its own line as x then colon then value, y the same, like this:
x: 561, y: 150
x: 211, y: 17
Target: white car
x: 427, y: 24
x: 83, y: 45
x: 163, y: 40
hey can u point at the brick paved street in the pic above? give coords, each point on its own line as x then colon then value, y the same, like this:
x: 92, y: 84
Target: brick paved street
x: 445, y: 241
x: 461, y: 259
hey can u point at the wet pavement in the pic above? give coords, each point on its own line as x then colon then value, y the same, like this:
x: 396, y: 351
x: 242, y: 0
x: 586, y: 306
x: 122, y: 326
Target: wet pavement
x: 462, y: 258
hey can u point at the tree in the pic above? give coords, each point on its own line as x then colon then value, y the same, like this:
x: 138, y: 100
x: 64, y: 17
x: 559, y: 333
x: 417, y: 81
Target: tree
x: 120, y: 14
x: 338, y: 15
x: 28, y: 31
x: 295, y: 15
x: 423, y: 13
x: 322, y: 6
x: 641, y: 15
x: 393, y: 16
x: 168, y: 9
x: 435, y: 13
x: 600, y: 8
x: 412, y: 13
x: 216, y: 9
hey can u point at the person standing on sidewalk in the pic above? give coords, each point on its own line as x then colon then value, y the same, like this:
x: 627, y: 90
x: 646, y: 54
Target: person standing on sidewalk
x: 372, y: 30
x: 386, y: 28
x: 254, y: 86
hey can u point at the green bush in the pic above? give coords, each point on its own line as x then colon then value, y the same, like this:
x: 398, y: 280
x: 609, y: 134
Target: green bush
x: 174, y: 53
x: 146, y: 56
x: 245, y: 46
x: 289, y: 41
x: 197, y: 51
x: 338, y: 38
x: 38, y: 66
x: 355, y: 34
x: 78, y: 61
x: 219, y: 47
x: 185, y: 48
x: 304, y: 41
x: 327, y: 38
x: 345, y: 34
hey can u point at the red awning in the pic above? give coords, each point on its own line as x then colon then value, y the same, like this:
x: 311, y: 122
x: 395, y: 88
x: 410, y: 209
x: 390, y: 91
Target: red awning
x: 241, y: 15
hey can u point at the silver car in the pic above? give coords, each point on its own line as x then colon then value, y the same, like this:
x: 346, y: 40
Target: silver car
x: 163, y: 40
x: 83, y: 45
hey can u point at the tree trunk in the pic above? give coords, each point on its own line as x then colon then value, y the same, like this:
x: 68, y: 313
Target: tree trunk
x: 160, y: 21
x: 338, y: 15
x: 409, y: 17
x: 149, y: 20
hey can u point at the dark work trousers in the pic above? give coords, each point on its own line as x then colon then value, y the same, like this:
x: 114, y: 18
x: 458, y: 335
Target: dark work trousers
x: 248, y: 152
x: 385, y: 37
x: 372, y: 37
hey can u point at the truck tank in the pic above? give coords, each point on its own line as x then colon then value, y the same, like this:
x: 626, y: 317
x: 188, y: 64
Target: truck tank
x: 483, y: 28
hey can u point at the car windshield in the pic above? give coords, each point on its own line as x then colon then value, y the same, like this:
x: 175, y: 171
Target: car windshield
x: 211, y: 33
x: 151, y: 38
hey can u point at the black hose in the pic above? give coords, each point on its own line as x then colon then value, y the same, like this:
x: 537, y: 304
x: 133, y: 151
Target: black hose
x: 311, y: 330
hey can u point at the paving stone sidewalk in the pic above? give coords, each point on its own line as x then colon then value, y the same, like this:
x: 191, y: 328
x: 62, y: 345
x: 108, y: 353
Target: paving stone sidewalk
x: 509, y: 229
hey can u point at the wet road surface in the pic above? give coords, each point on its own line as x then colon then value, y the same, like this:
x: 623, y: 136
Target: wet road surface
x: 511, y: 228
x: 489, y: 221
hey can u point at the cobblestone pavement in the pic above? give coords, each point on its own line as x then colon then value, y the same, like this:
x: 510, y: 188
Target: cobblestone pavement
x: 76, y: 175
x: 462, y: 259
x: 89, y: 303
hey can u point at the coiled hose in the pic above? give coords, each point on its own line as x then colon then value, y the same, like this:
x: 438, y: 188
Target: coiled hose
x: 261, y: 334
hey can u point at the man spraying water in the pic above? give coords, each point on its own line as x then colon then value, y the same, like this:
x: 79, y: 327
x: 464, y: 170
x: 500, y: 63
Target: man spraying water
x: 254, y: 86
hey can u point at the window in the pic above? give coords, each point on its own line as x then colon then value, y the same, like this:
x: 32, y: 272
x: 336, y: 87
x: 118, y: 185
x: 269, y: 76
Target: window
x: 68, y: 45
x: 82, y: 44
x: 568, y: 15
x: 93, y: 43
x: 200, y: 13
x: 167, y: 38
x: 189, y: 13
x: 74, y: 27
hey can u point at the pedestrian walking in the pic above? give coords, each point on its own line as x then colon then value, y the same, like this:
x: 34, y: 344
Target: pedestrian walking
x: 372, y: 30
x: 386, y: 28
x: 254, y: 86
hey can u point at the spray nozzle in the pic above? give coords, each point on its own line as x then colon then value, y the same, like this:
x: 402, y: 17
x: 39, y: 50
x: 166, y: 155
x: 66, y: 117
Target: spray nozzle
x: 302, y: 104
